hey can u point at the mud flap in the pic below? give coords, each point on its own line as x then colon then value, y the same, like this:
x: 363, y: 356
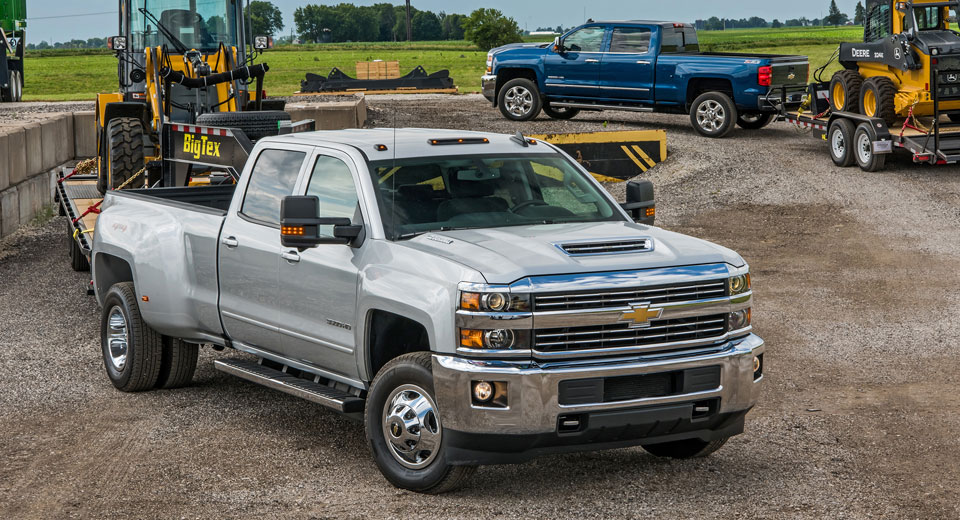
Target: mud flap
x: 614, y: 156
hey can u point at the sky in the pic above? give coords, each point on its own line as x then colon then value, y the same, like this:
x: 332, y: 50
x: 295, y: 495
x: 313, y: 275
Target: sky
x: 58, y: 20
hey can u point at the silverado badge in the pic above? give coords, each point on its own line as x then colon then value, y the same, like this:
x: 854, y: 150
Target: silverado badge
x: 640, y: 315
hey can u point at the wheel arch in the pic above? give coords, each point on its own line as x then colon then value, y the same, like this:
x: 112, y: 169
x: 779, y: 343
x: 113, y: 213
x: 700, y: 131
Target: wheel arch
x: 699, y: 85
x: 505, y: 74
x: 389, y: 335
x: 109, y: 270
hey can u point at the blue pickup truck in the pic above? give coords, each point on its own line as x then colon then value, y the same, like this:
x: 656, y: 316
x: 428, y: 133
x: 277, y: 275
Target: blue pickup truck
x: 638, y: 66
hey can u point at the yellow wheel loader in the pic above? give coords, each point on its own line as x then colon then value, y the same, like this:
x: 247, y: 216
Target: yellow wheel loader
x: 907, y: 65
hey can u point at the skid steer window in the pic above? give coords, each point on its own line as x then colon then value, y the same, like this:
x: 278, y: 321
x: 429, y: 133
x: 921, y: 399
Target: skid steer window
x: 928, y: 18
x: 199, y: 24
x: 879, y: 21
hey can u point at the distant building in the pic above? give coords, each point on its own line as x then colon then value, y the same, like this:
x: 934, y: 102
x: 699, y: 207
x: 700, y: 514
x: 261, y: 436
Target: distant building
x: 543, y: 33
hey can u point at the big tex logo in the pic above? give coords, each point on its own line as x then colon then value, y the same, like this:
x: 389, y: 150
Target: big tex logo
x: 200, y: 147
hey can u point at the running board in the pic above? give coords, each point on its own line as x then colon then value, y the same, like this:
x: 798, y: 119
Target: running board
x: 591, y: 106
x: 304, y: 388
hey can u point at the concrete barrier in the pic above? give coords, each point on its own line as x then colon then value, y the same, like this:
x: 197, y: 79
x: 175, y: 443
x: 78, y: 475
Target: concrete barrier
x: 4, y: 161
x: 69, y: 138
x: 51, y: 136
x: 34, y: 149
x: 17, y: 142
x: 331, y: 116
x: 84, y: 134
x: 9, y: 211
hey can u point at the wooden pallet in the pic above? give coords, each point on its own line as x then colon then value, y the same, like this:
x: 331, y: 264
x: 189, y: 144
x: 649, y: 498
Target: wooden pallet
x: 378, y: 69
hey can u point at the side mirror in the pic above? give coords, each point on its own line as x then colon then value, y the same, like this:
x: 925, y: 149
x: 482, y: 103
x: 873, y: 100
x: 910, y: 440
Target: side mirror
x: 557, y: 45
x: 300, y: 223
x: 117, y: 43
x: 640, y: 202
x: 262, y: 43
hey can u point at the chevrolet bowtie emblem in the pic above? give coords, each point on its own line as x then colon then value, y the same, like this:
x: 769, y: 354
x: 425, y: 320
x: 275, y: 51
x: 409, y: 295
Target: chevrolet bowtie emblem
x: 640, y: 315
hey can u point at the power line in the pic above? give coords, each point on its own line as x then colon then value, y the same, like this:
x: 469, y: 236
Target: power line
x: 70, y: 15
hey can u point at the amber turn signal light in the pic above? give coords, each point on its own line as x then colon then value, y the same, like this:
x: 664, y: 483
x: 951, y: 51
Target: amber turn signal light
x: 470, y: 338
x: 292, y: 230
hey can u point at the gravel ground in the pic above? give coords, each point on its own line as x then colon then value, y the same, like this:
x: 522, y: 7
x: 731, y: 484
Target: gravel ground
x: 858, y: 417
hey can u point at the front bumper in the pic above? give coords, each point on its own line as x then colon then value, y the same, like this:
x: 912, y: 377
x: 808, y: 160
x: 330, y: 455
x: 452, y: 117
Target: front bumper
x: 530, y: 424
x: 488, y: 86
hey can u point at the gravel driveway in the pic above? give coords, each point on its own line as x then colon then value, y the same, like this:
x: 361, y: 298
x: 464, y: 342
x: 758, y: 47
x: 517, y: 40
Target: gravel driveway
x: 855, y: 279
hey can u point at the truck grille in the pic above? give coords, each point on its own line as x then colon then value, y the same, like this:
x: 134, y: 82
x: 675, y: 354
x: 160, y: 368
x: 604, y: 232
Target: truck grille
x: 621, y: 335
x: 621, y: 298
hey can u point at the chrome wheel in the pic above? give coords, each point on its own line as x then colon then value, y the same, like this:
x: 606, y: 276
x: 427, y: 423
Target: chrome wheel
x: 837, y: 144
x: 711, y: 116
x: 864, y: 148
x: 519, y: 101
x: 117, y: 338
x: 411, y: 426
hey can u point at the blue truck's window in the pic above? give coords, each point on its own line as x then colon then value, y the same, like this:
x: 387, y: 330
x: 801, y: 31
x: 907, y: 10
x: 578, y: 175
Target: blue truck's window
x: 677, y: 39
x: 462, y: 192
x: 272, y: 179
x: 588, y: 39
x: 332, y: 182
x: 630, y: 40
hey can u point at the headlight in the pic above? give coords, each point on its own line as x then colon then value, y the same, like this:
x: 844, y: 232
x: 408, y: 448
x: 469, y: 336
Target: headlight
x: 495, y: 339
x: 739, y: 284
x: 739, y: 319
x: 494, y: 302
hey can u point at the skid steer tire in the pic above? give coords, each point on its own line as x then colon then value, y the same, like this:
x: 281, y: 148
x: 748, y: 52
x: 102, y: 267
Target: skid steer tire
x: 122, y: 155
x: 845, y: 91
x: 877, y: 99
x: 255, y: 125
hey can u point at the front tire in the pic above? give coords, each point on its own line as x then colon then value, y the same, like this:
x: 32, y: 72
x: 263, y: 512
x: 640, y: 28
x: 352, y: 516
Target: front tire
x: 845, y: 91
x: 863, y: 150
x: 840, y: 138
x: 562, y: 113
x: 519, y: 100
x: 403, y: 428
x: 685, y: 449
x: 713, y: 114
x: 132, y: 351
x: 754, y: 121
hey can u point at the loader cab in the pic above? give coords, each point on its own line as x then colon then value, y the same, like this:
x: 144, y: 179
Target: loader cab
x: 199, y: 24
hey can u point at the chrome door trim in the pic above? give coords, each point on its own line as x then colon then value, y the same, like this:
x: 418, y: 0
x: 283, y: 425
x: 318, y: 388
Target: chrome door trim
x: 638, y: 89
x: 249, y: 321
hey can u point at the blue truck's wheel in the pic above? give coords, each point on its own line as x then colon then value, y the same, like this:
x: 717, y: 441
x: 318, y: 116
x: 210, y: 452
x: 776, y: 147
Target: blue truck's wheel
x: 519, y: 100
x: 754, y: 121
x: 713, y: 114
x: 560, y: 112
x: 403, y: 428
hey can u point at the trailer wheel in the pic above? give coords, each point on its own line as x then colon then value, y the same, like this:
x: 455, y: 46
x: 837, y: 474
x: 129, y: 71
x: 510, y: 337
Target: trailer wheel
x: 403, y: 428
x: 754, y: 121
x: 713, y: 114
x: 863, y: 149
x: 123, y: 155
x: 16, y: 85
x: 132, y: 351
x: 78, y: 261
x: 685, y: 449
x: 6, y: 94
x: 560, y: 112
x: 178, y: 363
x: 877, y: 99
x: 519, y: 100
x: 845, y: 91
x: 255, y: 125
x: 840, y: 137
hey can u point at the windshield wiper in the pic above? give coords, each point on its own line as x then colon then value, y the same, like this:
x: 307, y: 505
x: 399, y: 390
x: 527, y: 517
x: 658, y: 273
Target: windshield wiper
x: 177, y: 44
x: 415, y: 234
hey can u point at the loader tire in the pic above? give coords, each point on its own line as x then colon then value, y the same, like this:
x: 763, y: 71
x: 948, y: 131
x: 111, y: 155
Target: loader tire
x: 255, y: 125
x: 877, y: 99
x: 845, y: 91
x: 122, y: 155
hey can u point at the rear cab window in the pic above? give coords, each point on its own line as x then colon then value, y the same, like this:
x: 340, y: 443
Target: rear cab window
x: 630, y: 40
x: 272, y: 178
x: 679, y: 39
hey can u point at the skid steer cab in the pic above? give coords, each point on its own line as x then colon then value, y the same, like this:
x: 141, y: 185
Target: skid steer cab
x: 184, y: 65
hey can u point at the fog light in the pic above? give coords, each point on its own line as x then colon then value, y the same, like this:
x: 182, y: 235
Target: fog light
x: 482, y: 391
x: 756, y: 363
x: 499, y: 339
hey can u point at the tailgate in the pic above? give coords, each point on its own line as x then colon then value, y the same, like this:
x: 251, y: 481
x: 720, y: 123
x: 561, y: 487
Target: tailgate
x: 790, y: 70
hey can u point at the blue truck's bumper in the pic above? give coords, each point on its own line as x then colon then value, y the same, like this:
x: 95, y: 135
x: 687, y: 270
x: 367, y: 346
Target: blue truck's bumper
x: 488, y: 86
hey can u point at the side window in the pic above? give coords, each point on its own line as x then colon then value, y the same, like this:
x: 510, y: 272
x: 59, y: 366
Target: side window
x: 878, y: 22
x: 332, y: 182
x: 630, y: 39
x: 273, y: 177
x: 588, y: 39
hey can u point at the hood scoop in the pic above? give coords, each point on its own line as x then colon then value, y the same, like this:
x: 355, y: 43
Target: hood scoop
x: 618, y: 246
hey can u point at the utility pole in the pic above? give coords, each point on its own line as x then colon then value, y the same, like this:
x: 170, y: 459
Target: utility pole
x: 409, y: 28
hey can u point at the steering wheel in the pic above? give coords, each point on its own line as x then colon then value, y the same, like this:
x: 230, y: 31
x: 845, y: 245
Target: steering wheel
x: 528, y: 204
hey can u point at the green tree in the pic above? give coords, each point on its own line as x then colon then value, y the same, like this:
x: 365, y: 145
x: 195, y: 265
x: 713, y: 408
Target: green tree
x: 453, y: 26
x: 426, y: 26
x: 489, y: 28
x: 386, y: 18
x: 265, y: 18
x: 834, y: 16
x: 776, y: 24
x: 858, y: 14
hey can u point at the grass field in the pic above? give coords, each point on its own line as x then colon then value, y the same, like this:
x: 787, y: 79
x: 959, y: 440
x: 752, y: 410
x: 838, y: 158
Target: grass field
x: 80, y: 75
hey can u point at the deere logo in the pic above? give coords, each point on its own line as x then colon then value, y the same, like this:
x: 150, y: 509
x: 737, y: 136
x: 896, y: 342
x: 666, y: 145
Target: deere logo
x: 201, y: 146
x: 640, y: 315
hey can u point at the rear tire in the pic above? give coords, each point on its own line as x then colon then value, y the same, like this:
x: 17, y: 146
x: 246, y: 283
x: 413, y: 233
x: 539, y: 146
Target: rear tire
x: 713, y: 114
x: 6, y: 94
x: 562, y: 113
x: 845, y: 91
x: 877, y: 99
x: 863, y: 150
x: 78, y: 261
x: 685, y: 449
x: 132, y: 351
x: 840, y: 138
x: 519, y: 100
x: 754, y: 121
x: 123, y: 156
x: 404, y: 380
x: 178, y: 363
x: 255, y: 125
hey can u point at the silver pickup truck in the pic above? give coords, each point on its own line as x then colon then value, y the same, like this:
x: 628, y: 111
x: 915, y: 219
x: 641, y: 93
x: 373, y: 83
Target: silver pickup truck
x: 473, y: 298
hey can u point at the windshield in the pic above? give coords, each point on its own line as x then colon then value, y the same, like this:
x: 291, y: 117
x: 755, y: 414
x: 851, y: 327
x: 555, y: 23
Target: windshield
x: 445, y: 193
x: 199, y: 24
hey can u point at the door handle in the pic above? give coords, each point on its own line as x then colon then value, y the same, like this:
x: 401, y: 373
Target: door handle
x: 643, y: 62
x: 591, y: 60
x: 290, y: 256
x: 229, y: 241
